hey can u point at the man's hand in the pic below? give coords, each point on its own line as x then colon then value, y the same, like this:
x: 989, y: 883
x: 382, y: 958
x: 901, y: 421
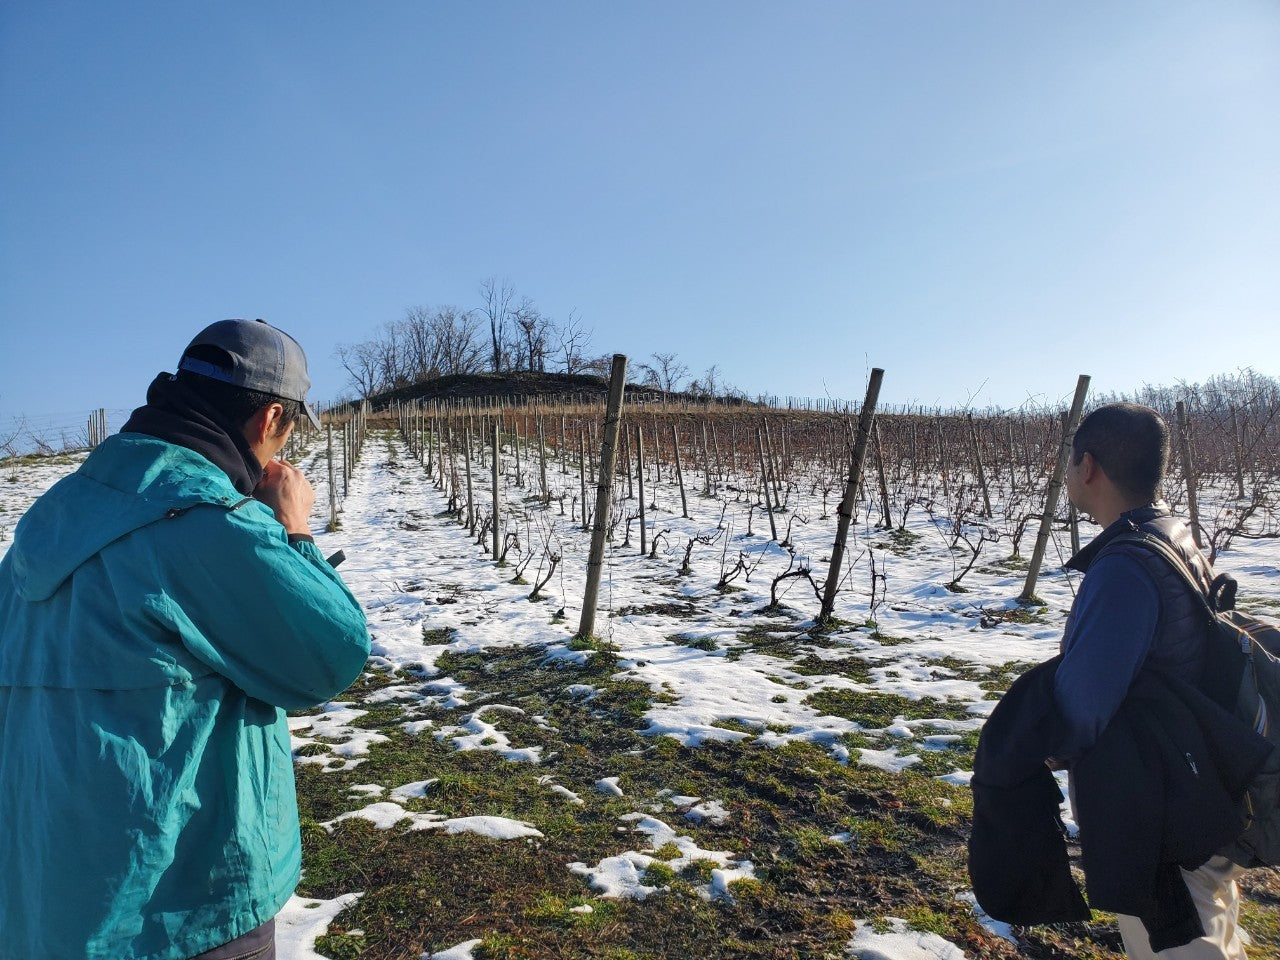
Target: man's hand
x: 285, y: 489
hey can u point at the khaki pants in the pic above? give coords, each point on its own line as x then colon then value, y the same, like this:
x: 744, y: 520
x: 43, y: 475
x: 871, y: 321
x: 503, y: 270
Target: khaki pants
x: 1213, y: 890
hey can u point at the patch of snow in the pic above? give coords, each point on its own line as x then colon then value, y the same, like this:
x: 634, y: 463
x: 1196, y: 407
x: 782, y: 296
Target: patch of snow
x: 303, y: 920
x: 623, y: 876
x: 476, y: 733
x: 565, y: 792
x: 610, y: 786
x: 711, y: 811
x: 997, y: 927
x: 462, y: 951
x: 887, y: 760
x: 385, y: 815
x: 411, y: 791
x: 899, y: 943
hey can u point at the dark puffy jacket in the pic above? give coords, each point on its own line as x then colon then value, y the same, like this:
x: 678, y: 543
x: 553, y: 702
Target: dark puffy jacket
x: 1179, y: 649
x: 1160, y: 789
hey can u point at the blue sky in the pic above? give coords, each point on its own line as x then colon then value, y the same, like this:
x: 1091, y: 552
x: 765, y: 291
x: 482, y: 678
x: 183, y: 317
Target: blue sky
x: 984, y: 198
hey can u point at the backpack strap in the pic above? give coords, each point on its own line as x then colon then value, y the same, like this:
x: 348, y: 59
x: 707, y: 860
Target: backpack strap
x: 1182, y: 568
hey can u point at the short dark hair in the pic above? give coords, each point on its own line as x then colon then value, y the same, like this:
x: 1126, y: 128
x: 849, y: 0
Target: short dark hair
x: 1130, y: 443
x: 237, y: 404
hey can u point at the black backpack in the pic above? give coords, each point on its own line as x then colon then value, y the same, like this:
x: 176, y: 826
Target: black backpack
x: 1243, y: 676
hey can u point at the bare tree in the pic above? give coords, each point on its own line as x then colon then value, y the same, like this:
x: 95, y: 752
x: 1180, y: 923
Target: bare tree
x: 710, y: 384
x: 460, y: 348
x: 420, y: 343
x: 536, y: 329
x: 598, y: 366
x: 360, y: 360
x: 574, y: 341
x: 495, y: 306
x: 665, y: 373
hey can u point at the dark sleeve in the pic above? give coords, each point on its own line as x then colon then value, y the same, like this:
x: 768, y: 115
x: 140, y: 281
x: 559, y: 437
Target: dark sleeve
x: 1112, y: 628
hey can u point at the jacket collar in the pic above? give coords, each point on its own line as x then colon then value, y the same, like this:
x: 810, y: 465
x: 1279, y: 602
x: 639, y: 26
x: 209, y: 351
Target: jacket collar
x: 1127, y: 523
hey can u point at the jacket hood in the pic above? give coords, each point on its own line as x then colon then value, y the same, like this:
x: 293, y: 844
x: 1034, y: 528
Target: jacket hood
x: 128, y: 482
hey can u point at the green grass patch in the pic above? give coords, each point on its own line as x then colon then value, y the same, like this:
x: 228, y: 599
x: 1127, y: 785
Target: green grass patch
x: 871, y: 709
x: 425, y: 891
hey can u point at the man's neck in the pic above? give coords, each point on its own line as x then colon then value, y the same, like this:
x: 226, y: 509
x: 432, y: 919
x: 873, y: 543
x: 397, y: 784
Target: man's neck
x: 1109, y: 513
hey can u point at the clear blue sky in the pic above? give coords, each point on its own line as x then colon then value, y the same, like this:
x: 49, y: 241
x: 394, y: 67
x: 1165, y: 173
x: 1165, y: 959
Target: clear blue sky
x: 984, y: 198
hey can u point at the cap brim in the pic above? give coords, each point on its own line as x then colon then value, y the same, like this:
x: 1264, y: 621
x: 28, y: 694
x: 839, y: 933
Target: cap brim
x: 311, y: 415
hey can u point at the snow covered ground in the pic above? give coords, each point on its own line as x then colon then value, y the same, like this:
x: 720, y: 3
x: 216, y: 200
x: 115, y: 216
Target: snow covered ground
x: 720, y: 666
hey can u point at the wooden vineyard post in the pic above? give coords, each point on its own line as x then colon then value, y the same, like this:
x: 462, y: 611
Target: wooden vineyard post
x: 582, y: 476
x: 591, y: 461
x: 1026, y: 449
x: 440, y: 435
x: 604, y: 493
x: 644, y: 533
x: 516, y: 444
x: 764, y: 480
x: 1055, y: 488
x: 982, y: 474
x: 706, y: 463
x: 333, y: 490
x: 884, y: 483
x: 657, y: 453
x: 425, y: 450
x: 715, y: 445
x: 1237, y: 442
x: 348, y: 430
x: 1073, y: 518
x: 542, y: 462
x: 942, y: 459
x: 626, y: 465
x: 850, y: 497
x: 497, y: 533
x: 1013, y: 453
x: 1188, y: 472
x: 466, y: 460
x: 774, y: 468
x: 915, y: 455
x: 675, y: 446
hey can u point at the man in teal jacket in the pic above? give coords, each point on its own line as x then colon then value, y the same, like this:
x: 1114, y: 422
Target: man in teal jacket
x: 160, y: 609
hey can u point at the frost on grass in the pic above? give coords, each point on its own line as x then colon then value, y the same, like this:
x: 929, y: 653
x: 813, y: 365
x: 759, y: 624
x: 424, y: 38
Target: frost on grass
x: 622, y: 876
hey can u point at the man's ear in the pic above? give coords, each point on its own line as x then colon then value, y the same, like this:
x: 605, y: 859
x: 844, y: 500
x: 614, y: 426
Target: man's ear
x: 263, y: 424
x: 1089, y: 469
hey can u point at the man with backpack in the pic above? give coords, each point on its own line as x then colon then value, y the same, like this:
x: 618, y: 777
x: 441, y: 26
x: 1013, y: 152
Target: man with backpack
x: 160, y: 609
x: 1135, y: 611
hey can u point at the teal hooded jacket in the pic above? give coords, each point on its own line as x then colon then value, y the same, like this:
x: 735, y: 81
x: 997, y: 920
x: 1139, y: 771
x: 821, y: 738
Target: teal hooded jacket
x: 154, y: 627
